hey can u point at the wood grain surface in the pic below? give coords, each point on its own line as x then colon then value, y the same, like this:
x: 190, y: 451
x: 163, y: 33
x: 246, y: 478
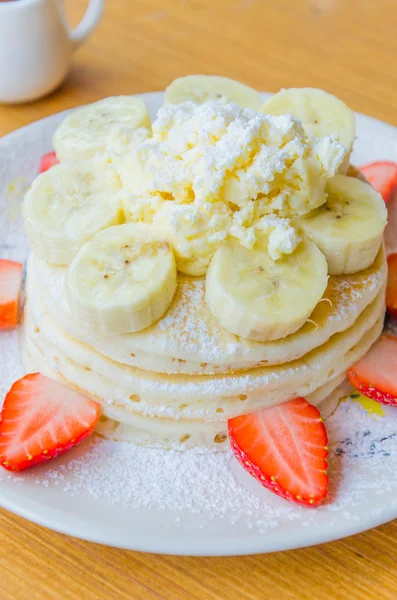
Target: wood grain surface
x: 348, y: 47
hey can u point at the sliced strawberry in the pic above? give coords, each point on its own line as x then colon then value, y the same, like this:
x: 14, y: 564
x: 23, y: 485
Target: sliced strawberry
x: 41, y: 419
x: 391, y: 291
x: 374, y: 375
x: 285, y: 448
x: 10, y: 292
x: 391, y: 227
x: 382, y: 176
x: 47, y: 161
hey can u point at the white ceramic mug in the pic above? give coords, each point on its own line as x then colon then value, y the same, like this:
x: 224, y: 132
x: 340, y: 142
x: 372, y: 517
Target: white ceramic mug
x: 36, y: 46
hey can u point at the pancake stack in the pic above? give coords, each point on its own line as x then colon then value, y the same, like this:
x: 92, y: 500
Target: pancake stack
x: 176, y: 383
x: 223, y: 262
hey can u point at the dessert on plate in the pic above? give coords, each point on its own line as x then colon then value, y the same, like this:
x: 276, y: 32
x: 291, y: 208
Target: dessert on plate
x: 193, y: 275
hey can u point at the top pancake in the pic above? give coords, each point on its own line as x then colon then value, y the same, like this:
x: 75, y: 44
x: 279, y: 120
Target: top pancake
x: 189, y: 339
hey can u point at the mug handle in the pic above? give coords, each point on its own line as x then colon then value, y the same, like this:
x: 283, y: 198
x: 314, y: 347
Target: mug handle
x: 88, y: 22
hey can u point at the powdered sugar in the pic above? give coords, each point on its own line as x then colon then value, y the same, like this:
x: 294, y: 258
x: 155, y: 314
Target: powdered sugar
x: 10, y: 361
x: 348, y: 295
x: 183, y: 327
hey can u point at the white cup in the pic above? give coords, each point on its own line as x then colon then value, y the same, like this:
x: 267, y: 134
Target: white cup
x: 36, y: 46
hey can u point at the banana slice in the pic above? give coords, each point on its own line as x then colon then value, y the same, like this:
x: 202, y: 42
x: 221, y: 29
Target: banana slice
x: 200, y: 88
x: 352, y: 171
x: 109, y: 124
x: 65, y: 207
x: 349, y: 227
x: 122, y: 280
x: 258, y: 298
x: 321, y: 114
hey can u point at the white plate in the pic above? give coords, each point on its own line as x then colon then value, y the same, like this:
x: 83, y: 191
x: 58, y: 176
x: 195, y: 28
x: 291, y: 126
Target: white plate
x: 190, y: 504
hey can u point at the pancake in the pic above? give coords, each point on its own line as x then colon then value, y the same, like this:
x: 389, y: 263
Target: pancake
x: 189, y: 340
x: 329, y: 405
x: 185, y: 434
x: 85, y: 368
x: 122, y: 424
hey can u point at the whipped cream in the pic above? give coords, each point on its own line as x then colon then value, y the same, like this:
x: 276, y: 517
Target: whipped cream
x: 283, y: 237
x: 211, y: 172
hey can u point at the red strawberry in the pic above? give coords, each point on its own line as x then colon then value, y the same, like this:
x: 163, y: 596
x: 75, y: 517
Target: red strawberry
x: 47, y: 161
x: 391, y: 227
x: 285, y: 448
x: 382, y: 176
x: 41, y: 419
x: 10, y: 291
x: 374, y: 375
x: 391, y: 292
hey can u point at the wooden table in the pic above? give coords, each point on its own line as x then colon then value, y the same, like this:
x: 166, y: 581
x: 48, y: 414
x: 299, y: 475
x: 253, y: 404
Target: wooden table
x: 345, y: 47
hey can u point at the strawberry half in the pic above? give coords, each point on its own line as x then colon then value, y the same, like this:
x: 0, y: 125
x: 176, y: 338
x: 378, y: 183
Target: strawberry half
x: 285, y: 448
x: 391, y: 290
x: 42, y: 419
x: 382, y: 176
x: 10, y: 292
x: 374, y: 375
x: 391, y: 227
x: 47, y: 161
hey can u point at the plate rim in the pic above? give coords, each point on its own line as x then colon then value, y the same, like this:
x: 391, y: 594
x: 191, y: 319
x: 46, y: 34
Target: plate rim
x: 181, y: 547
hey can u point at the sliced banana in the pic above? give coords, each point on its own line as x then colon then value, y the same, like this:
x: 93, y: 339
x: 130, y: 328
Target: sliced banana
x: 352, y: 171
x: 321, y: 114
x: 258, y: 298
x: 109, y: 124
x: 122, y: 280
x: 200, y: 88
x: 65, y: 207
x: 349, y: 227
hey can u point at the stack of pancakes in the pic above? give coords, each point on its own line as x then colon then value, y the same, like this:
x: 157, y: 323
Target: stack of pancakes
x: 176, y: 383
